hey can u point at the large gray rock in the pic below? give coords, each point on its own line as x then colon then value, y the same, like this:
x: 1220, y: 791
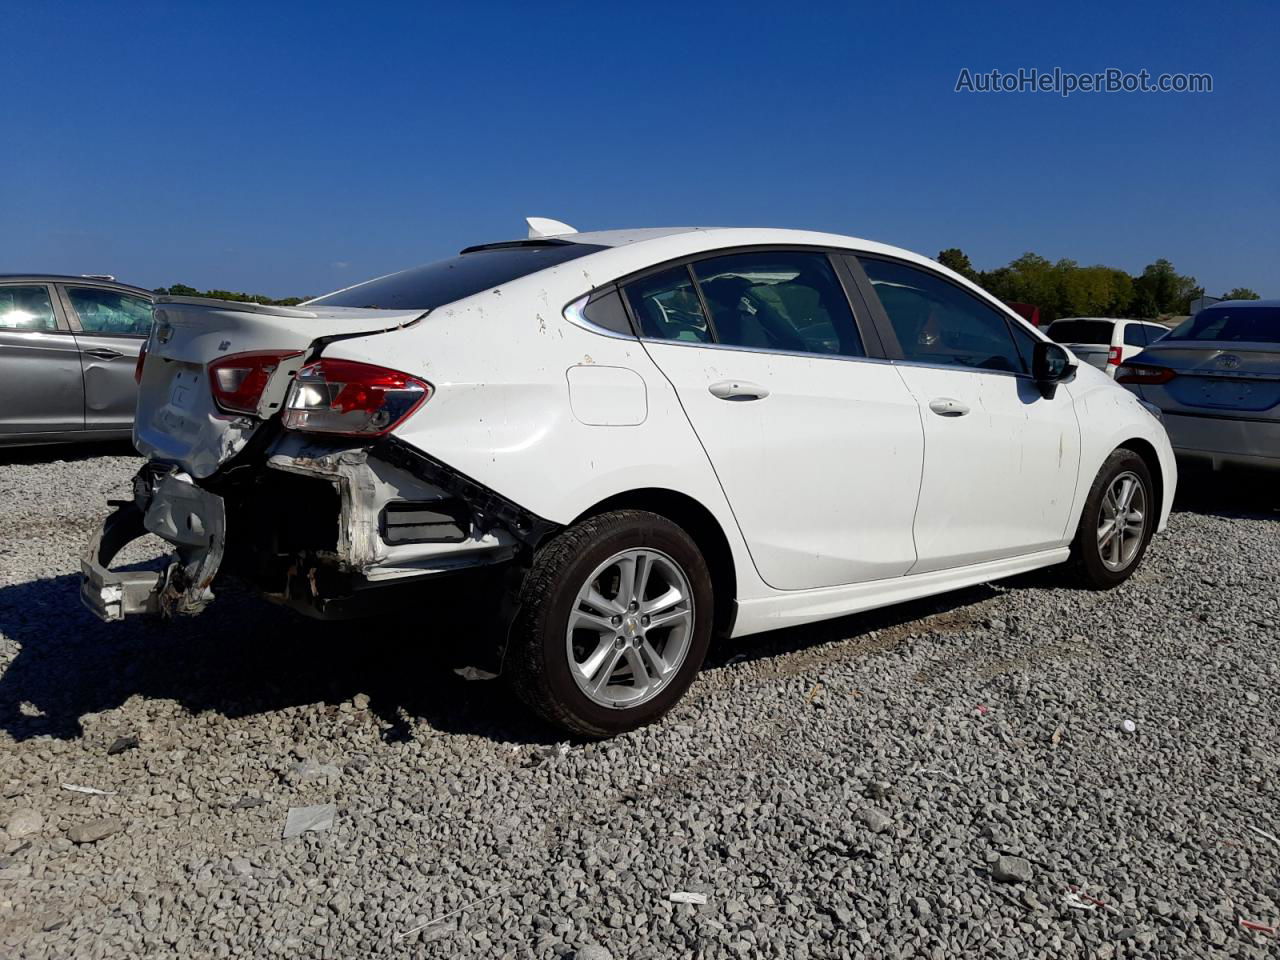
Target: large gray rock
x: 1011, y: 869
x: 94, y: 830
x: 23, y: 822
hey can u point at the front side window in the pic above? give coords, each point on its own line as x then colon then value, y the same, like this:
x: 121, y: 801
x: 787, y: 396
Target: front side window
x: 937, y: 322
x: 790, y: 301
x: 109, y: 311
x: 666, y: 307
x: 26, y: 308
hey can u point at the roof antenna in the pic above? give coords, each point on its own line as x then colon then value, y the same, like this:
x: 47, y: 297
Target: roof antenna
x: 540, y: 227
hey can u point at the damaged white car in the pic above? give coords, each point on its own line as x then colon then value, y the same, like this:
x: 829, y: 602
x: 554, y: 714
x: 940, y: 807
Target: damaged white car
x: 644, y: 438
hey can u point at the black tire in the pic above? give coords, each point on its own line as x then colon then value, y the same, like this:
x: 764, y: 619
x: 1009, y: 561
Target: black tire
x: 1086, y: 554
x: 537, y: 661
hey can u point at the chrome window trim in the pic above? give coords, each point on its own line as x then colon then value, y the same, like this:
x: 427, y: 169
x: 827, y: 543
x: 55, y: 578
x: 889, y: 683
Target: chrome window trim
x: 835, y: 356
x: 573, y: 313
x: 965, y: 369
x: 767, y: 350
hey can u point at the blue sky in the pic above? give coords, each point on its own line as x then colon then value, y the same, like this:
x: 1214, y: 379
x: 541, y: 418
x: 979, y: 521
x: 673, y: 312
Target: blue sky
x: 294, y: 148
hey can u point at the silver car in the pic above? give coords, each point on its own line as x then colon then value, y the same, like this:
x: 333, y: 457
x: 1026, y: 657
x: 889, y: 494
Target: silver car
x: 68, y: 352
x: 1216, y: 380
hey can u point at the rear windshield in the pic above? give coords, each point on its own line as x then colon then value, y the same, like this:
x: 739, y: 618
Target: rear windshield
x: 435, y: 284
x: 1242, y: 324
x: 1081, y: 331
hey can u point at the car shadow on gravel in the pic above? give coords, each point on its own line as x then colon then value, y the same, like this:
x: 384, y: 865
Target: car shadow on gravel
x: 242, y: 657
x: 246, y: 657
x: 52, y: 452
x: 1229, y: 493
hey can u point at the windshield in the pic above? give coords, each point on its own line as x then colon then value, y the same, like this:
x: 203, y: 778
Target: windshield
x: 1081, y: 331
x: 435, y: 284
x: 1241, y: 324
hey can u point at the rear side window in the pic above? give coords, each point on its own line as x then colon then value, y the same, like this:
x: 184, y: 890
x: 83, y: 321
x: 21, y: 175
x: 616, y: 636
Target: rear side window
x: 435, y: 284
x: 936, y: 322
x: 666, y: 307
x: 111, y: 312
x: 1135, y: 335
x: 26, y: 308
x: 1081, y: 331
x: 789, y: 301
x: 606, y: 310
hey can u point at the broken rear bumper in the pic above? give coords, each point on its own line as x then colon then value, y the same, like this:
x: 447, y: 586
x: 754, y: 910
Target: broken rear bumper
x: 166, y: 503
x: 323, y: 526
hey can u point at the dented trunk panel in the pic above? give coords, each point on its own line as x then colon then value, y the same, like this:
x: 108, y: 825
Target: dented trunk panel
x: 177, y: 420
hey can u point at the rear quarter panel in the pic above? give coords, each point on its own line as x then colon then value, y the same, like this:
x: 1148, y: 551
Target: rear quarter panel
x: 500, y: 364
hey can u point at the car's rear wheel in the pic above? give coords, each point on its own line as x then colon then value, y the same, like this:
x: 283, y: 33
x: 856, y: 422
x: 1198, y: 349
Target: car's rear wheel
x: 614, y: 623
x: 1118, y: 520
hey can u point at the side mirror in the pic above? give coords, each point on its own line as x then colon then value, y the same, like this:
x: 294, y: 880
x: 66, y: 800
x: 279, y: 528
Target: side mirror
x: 1050, y: 363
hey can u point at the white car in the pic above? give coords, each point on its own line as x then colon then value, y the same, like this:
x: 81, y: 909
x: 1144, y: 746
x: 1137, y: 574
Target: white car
x: 644, y: 437
x: 1105, y: 342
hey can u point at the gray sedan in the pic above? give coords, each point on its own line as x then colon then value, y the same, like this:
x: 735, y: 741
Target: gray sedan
x: 68, y: 350
x: 1216, y: 379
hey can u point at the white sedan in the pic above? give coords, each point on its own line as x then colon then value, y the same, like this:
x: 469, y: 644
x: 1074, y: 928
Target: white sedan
x: 637, y: 439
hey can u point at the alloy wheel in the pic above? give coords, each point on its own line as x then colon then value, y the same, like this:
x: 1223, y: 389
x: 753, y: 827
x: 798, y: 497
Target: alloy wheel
x: 1122, y: 522
x: 630, y: 628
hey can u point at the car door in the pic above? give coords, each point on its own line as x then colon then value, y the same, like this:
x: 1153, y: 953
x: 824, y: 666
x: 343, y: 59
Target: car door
x: 818, y: 447
x: 1000, y: 456
x: 41, y: 390
x: 110, y: 327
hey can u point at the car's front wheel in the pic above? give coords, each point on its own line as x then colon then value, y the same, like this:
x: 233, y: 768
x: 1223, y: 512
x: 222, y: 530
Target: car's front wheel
x: 1119, y: 518
x: 614, y: 623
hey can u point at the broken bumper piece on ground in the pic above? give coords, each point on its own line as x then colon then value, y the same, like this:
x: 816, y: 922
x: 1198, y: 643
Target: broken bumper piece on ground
x: 170, y: 506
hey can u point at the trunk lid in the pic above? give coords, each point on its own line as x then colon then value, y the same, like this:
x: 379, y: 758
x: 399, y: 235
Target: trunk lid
x: 1220, y: 376
x: 177, y: 420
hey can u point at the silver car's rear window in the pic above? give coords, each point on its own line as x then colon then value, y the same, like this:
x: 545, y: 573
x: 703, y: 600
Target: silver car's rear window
x: 1241, y: 324
x: 474, y: 270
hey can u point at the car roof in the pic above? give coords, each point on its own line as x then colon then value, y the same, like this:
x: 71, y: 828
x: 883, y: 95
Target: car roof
x: 659, y: 243
x: 1237, y: 304
x: 71, y: 278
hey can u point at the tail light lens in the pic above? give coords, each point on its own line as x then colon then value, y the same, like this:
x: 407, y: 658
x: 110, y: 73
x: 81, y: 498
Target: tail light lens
x: 142, y: 359
x: 1143, y: 373
x: 237, y: 381
x: 1115, y: 356
x: 351, y: 398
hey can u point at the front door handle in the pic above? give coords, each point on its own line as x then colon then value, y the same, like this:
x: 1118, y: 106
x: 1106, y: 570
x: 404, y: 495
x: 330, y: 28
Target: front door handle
x: 103, y: 353
x: 946, y: 407
x: 738, y: 390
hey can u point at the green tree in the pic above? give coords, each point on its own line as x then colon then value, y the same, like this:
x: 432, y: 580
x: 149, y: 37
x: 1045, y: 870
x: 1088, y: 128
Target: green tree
x: 955, y: 259
x: 182, y: 290
x: 1162, y: 287
x: 1240, y: 293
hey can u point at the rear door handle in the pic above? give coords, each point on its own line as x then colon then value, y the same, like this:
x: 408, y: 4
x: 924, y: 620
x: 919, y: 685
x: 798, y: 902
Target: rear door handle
x: 103, y: 353
x: 946, y: 407
x: 738, y: 390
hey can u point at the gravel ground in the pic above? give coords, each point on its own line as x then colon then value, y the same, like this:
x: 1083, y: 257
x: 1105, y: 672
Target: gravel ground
x: 942, y: 779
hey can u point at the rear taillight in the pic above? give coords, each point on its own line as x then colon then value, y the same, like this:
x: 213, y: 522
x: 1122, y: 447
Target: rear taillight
x: 142, y: 359
x: 237, y: 381
x: 1143, y: 373
x: 352, y: 398
x: 1115, y: 356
